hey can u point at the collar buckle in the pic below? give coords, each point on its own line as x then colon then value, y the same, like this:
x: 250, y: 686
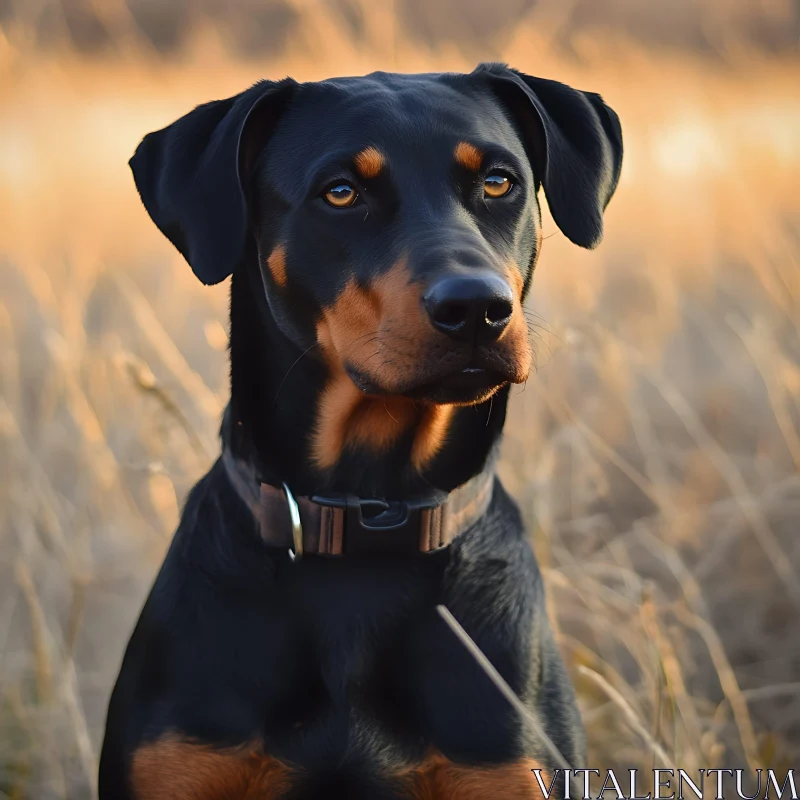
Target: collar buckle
x: 375, y: 527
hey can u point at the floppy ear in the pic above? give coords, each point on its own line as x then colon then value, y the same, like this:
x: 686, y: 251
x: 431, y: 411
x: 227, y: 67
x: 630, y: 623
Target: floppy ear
x: 190, y: 175
x: 574, y: 142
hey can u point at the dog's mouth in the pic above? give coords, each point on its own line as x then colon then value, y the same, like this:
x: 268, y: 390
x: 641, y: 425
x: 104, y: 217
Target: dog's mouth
x: 468, y: 385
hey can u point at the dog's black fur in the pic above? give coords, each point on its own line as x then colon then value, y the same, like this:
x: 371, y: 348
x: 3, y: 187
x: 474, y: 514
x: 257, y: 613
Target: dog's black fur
x: 341, y: 668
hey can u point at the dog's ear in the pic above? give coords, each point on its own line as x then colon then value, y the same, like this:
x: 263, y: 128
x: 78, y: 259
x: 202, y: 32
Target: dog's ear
x: 191, y: 175
x: 574, y: 142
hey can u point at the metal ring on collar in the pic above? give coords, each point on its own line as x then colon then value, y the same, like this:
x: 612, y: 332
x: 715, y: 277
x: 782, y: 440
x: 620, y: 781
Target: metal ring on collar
x: 297, y: 526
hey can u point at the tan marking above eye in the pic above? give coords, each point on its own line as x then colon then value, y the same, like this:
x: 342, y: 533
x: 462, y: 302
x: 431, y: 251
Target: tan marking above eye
x: 497, y: 185
x: 369, y: 162
x: 341, y: 196
x: 277, y: 265
x: 469, y: 156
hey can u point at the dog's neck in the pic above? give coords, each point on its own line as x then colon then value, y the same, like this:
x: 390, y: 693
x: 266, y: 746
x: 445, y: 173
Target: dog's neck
x: 273, y: 421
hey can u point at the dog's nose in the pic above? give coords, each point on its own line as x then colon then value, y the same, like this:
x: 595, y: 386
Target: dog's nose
x: 475, y: 308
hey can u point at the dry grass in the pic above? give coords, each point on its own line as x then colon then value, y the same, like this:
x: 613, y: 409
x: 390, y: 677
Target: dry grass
x: 655, y: 451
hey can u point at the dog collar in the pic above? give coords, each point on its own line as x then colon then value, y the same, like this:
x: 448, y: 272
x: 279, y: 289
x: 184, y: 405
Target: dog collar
x: 339, y: 525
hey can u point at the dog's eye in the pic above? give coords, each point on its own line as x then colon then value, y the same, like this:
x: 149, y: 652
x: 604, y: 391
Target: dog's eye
x: 341, y: 195
x: 496, y: 185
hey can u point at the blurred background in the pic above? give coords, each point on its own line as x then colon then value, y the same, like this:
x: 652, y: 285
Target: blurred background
x: 655, y: 451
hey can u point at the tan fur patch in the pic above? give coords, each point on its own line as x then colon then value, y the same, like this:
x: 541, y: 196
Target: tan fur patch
x: 440, y: 779
x: 369, y: 162
x: 380, y: 331
x: 469, y: 156
x: 515, y: 336
x: 431, y: 435
x: 516, y: 281
x: 173, y: 769
x: 349, y: 418
x: 277, y: 265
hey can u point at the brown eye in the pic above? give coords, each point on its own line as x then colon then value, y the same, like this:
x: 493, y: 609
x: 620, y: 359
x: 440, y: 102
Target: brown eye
x: 341, y: 196
x: 496, y: 185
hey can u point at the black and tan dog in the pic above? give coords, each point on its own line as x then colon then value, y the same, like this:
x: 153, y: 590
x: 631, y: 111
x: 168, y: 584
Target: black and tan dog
x: 382, y: 233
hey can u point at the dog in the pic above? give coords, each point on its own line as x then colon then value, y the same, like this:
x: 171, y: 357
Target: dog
x: 381, y: 233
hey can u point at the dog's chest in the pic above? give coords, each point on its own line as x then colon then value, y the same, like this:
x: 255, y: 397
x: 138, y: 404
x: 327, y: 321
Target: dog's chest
x: 355, y: 694
x: 330, y: 691
x: 320, y: 708
x: 176, y: 770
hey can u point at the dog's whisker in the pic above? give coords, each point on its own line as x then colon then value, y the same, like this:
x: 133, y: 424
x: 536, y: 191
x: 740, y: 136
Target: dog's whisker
x: 294, y: 364
x: 389, y: 413
x: 359, y: 341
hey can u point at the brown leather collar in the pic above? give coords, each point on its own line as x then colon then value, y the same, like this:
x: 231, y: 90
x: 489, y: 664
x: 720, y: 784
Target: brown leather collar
x: 345, y: 525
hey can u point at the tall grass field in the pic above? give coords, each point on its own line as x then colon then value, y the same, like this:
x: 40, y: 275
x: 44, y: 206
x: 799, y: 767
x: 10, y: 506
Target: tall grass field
x: 655, y: 450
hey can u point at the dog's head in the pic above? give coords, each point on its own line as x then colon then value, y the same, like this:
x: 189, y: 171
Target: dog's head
x: 395, y: 217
